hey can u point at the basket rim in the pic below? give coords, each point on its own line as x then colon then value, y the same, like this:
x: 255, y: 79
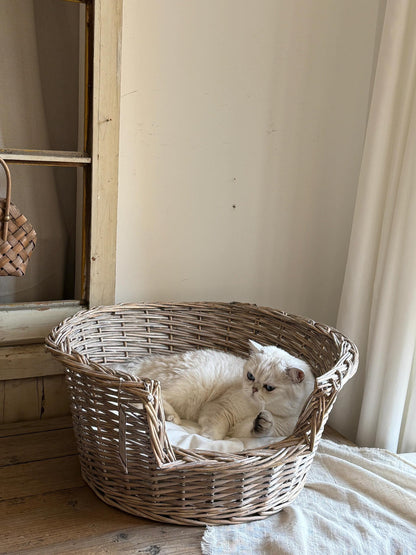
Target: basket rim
x: 53, y: 343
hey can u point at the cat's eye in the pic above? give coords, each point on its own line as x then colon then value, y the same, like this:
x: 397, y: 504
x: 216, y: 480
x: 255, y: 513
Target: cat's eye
x: 268, y: 387
x: 250, y: 376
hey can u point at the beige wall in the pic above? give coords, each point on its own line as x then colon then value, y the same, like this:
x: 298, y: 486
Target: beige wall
x: 242, y: 124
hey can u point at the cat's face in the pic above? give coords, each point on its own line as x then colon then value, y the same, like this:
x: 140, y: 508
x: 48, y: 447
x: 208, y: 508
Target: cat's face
x: 269, y: 376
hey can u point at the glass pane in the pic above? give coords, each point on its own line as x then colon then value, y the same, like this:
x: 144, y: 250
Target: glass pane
x: 51, y: 199
x: 41, y: 68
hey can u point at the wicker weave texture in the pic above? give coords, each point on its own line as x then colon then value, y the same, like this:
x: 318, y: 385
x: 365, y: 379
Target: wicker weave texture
x: 17, y: 236
x: 125, y: 454
x: 20, y: 242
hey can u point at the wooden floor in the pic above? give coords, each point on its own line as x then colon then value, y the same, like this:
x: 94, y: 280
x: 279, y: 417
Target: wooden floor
x: 45, y: 507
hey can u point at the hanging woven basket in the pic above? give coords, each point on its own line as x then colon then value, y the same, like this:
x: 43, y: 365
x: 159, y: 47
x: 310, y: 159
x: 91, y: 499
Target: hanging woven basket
x: 125, y: 453
x: 17, y: 235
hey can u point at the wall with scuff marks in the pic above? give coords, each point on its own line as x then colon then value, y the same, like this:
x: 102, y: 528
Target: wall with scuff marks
x: 242, y: 126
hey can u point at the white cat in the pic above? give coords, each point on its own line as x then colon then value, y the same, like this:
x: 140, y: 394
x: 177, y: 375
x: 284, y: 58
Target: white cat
x: 228, y: 395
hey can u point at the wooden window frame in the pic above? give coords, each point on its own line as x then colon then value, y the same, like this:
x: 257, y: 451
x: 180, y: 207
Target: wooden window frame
x: 104, y: 27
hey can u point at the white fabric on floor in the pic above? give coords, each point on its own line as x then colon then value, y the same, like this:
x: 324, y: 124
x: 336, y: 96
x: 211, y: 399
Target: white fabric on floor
x: 355, y: 501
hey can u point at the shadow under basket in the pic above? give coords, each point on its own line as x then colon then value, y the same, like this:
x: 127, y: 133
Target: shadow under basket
x: 125, y: 454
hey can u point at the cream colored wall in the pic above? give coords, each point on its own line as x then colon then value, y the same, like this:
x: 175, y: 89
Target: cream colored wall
x: 242, y: 124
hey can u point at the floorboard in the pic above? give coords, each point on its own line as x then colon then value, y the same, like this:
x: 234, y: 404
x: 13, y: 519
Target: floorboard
x: 39, y: 477
x: 34, y: 426
x: 45, y: 506
x: 37, y: 446
x: 74, y: 520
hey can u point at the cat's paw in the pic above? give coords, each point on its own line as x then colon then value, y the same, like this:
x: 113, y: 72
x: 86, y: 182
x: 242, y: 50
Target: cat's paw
x: 263, y: 424
x: 173, y: 418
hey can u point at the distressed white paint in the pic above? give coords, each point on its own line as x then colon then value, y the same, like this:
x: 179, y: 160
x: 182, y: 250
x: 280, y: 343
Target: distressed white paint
x: 30, y: 323
x: 105, y: 129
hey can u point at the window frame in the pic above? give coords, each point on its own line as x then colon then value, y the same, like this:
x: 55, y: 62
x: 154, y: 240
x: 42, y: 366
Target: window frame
x: 100, y: 163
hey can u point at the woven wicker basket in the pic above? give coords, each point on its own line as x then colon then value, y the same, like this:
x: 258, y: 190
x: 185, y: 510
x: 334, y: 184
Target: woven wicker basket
x: 125, y: 454
x: 17, y: 235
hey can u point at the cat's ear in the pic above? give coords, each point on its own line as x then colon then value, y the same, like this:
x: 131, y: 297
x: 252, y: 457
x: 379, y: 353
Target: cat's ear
x: 296, y: 374
x: 255, y: 347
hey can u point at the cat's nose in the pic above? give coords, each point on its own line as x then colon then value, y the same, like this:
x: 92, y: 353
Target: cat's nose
x: 255, y: 388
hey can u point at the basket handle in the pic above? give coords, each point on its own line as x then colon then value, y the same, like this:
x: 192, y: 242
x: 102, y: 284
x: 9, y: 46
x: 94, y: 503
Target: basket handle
x: 6, y: 215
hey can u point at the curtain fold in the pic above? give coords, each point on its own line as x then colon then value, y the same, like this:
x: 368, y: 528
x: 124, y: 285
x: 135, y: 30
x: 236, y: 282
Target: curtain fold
x: 378, y: 302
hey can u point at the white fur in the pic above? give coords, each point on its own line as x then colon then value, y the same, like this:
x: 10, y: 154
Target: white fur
x: 212, y: 388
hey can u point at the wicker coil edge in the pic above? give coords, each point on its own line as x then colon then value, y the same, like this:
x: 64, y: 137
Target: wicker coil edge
x: 125, y: 454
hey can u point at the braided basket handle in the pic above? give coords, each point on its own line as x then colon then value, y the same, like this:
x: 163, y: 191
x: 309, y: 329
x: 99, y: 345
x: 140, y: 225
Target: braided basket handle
x: 6, y: 216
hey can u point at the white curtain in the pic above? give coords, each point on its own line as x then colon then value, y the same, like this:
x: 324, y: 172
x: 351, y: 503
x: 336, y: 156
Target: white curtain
x: 378, y: 304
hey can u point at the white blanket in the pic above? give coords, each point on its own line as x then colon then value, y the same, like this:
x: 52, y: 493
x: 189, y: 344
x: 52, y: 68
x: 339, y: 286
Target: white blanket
x: 356, y: 501
x: 186, y: 436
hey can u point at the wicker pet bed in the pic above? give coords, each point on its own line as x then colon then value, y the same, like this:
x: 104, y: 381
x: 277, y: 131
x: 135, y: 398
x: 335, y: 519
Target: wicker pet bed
x: 125, y: 454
